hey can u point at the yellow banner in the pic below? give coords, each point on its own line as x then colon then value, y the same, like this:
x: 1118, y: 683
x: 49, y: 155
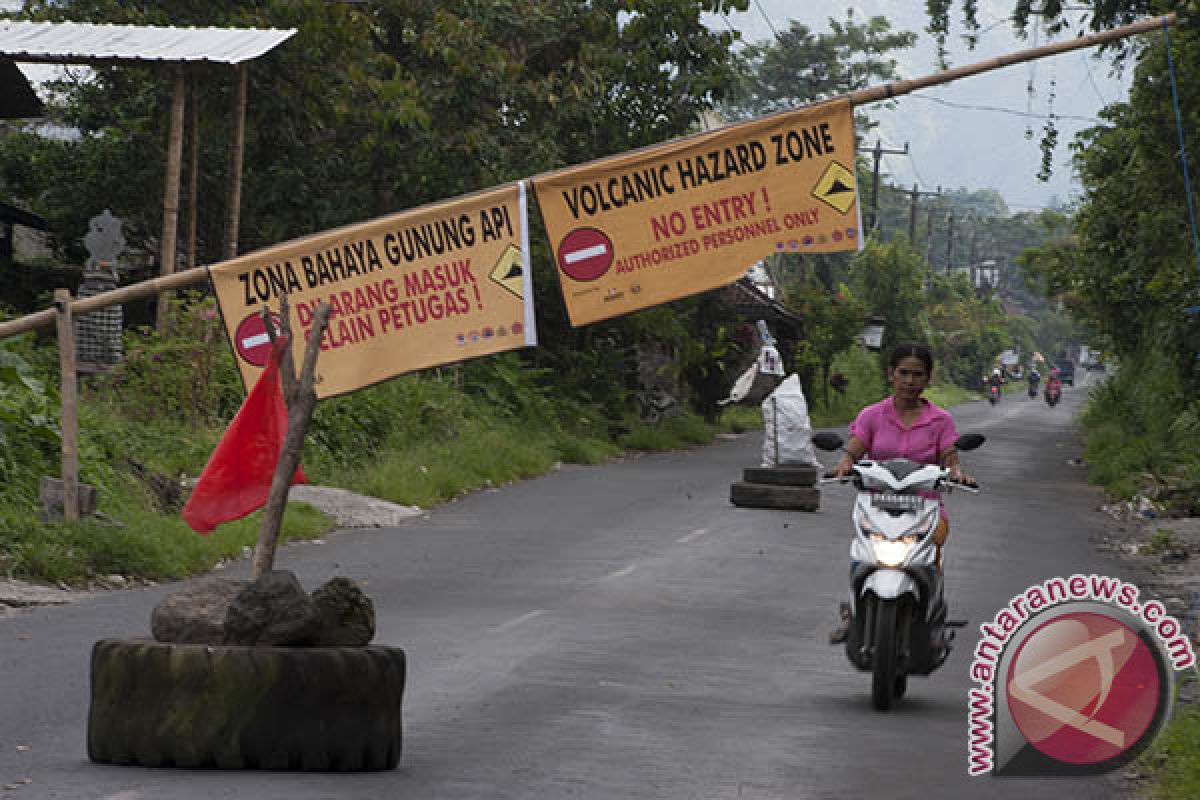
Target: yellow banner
x: 654, y: 225
x: 434, y: 285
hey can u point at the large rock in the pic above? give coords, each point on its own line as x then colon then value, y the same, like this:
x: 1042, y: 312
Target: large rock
x: 196, y: 613
x: 274, y: 610
x: 347, y: 614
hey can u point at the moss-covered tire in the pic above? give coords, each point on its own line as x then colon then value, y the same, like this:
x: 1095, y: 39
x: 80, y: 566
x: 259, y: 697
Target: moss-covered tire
x: 761, y: 495
x: 331, y: 709
x: 789, y: 475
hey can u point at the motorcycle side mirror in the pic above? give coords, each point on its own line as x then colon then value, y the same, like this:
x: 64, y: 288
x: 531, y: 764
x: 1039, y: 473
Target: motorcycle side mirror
x: 970, y: 441
x: 827, y: 440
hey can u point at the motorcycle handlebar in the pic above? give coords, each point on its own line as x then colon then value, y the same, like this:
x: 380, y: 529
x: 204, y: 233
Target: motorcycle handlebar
x: 829, y: 477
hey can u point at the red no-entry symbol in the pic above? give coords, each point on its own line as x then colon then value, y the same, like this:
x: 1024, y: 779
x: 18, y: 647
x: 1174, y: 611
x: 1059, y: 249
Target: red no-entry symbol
x: 251, y: 340
x: 585, y: 254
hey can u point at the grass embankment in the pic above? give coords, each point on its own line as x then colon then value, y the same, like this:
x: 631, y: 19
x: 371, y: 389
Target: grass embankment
x: 1173, y: 762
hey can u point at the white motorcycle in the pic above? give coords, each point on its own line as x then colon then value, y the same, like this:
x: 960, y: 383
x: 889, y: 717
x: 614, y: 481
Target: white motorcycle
x: 898, y: 624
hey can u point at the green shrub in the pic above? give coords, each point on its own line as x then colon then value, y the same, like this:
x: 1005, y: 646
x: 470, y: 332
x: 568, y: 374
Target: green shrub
x: 186, y: 376
x: 29, y: 435
x: 739, y: 419
x: 864, y: 386
x: 684, y: 430
x: 1138, y: 427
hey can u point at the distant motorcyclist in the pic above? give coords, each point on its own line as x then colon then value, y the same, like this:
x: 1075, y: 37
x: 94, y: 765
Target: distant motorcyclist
x: 994, y: 382
x: 1035, y: 378
x: 1053, y: 386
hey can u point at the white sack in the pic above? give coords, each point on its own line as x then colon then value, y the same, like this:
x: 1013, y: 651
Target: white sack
x: 787, y: 431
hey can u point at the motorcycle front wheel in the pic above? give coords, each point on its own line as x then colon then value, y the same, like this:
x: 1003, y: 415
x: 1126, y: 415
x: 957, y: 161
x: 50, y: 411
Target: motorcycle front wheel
x: 884, y: 661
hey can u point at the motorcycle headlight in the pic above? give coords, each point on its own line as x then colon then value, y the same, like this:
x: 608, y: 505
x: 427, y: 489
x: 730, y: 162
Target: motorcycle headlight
x: 891, y: 552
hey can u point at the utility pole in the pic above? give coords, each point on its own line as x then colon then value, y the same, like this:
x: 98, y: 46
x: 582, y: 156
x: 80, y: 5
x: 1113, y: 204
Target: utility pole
x: 879, y: 152
x: 949, y: 241
x: 912, y: 217
x: 912, y: 213
x: 929, y: 234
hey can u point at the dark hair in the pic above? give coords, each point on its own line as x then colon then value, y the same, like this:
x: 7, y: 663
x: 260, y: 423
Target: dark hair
x: 907, y: 349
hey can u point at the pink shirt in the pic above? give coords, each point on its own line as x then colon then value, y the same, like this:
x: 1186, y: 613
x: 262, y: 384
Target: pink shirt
x: 878, y: 426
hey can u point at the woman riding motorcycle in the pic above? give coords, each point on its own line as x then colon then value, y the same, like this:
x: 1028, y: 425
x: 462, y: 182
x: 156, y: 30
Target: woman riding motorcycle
x: 904, y: 425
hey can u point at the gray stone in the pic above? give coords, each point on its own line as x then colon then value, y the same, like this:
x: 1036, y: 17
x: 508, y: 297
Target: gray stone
x: 347, y: 614
x: 274, y: 610
x: 196, y: 614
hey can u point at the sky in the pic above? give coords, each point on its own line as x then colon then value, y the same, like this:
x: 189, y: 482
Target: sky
x: 957, y: 147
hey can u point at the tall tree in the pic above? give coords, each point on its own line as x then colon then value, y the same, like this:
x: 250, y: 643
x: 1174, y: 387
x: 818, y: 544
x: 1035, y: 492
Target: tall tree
x: 802, y: 66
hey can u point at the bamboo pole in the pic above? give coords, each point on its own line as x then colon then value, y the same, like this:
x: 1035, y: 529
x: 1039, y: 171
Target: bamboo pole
x: 871, y: 95
x: 134, y: 291
x: 70, y: 409
x: 236, y: 155
x: 170, y: 229
x: 896, y: 88
x: 300, y: 409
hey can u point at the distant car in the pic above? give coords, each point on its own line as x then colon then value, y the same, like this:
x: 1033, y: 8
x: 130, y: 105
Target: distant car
x: 1066, y: 371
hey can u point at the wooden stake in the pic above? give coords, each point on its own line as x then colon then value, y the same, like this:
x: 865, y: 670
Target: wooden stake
x: 70, y: 410
x: 299, y: 415
x: 170, y: 229
x: 236, y: 154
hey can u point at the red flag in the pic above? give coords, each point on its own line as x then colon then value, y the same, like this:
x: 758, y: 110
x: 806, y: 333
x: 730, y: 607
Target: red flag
x: 237, y: 478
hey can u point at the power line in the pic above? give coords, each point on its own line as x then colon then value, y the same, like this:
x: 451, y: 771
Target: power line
x: 770, y: 24
x: 1000, y: 110
x: 1092, y: 80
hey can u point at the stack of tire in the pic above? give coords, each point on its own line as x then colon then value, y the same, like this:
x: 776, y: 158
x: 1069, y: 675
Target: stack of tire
x: 787, y: 486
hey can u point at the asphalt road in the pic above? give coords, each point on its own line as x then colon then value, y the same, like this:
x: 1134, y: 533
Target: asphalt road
x: 621, y: 632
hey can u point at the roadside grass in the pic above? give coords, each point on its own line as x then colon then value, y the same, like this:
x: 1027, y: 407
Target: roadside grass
x: 144, y: 544
x: 1173, y: 762
x: 466, y: 447
x: 947, y: 395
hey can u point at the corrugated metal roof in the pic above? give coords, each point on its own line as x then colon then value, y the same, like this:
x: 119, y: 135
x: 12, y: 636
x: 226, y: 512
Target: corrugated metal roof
x: 74, y: 42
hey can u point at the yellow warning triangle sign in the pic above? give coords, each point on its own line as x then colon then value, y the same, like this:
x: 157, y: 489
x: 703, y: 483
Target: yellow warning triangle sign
x: 509, y: 271
x: 835, y: 187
